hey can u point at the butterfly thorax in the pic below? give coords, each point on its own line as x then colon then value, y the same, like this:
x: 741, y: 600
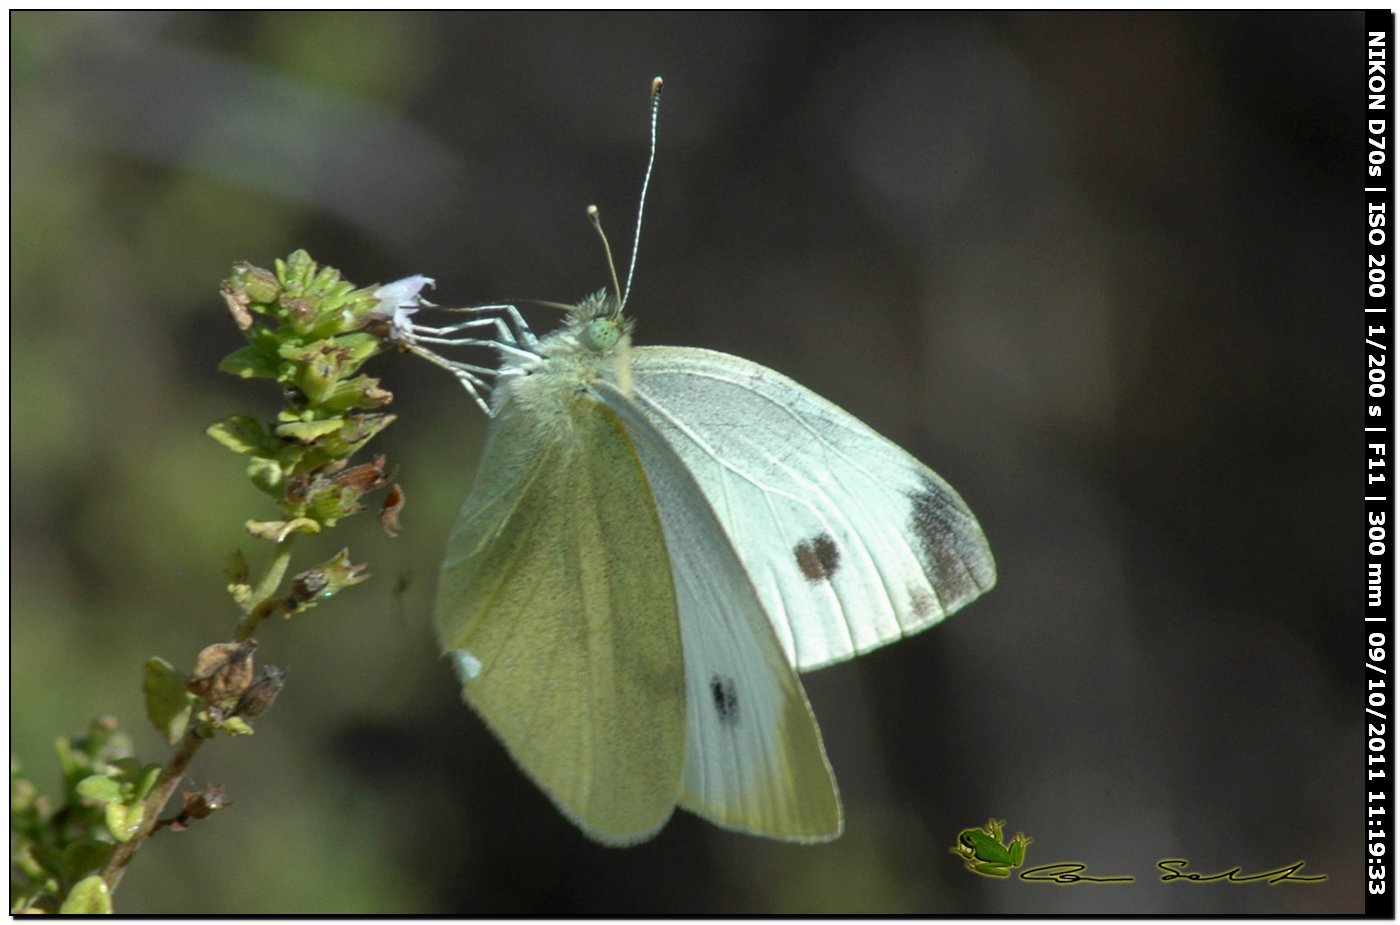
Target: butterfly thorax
x: 592, y: 343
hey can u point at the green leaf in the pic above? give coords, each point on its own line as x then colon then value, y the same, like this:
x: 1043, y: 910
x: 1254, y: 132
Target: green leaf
x: 259, y: 284
x: 242, y: 434
x: 99, y: 788
x: 237, y: 568
x: 333, y: 502
x: 68, y: 760
x: 344, y: 309
x: 24, y: 796
x: 48, y: 859
x: 279, y: 530
x: 303, y: 351
x: 307, y: 431
x: 296, y: 271
x: 360, y: 392
x: 146, y: 782
x: 124, y: 821
x: 340, y: 292
x: 238, y: 586
x: 358, y: 348
x: 83, y: 857
x: 357, y: 431
x: 317, y: 378
x: 168, y: 704
x: 88, y: 897
x: 128, y: 769
x: 236, y: 726
x: 251, y: 363
x: 25, y: 860
x: 267, y: 475
x: 324, y: 281
x: 339, y: 573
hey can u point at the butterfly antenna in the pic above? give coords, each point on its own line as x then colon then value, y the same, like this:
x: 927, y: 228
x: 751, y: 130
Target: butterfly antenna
x: 646, y: 181
x: 612, y: 268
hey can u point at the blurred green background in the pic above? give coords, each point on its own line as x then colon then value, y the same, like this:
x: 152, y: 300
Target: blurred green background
x: 1101, y: 271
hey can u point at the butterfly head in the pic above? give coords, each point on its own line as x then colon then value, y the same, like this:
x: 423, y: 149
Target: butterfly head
x: 598, y: 324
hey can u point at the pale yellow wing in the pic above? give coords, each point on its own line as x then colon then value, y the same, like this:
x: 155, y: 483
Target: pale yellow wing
x: 754, y: 758
x: 556, y: 604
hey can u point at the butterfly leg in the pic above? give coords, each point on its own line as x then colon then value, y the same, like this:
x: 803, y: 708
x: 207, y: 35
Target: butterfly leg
x: 509, y: 326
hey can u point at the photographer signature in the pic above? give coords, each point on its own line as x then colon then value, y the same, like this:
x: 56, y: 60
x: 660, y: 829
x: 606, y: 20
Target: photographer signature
x: 1173, y: 869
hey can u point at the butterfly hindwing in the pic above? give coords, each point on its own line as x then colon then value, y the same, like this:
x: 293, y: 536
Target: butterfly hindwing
x: 754, y: 756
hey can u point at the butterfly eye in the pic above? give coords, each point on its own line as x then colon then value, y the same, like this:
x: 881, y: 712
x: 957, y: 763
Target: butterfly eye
x: 600, y: 333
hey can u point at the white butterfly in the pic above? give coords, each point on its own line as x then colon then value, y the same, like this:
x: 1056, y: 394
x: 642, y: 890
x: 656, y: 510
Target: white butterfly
x: 657, y: 540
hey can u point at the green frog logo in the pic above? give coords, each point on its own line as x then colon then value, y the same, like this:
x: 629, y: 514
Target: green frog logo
x: 983, y: 851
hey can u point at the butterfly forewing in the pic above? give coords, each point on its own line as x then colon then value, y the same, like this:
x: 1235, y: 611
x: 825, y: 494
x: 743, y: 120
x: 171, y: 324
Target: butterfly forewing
x: 849, y: 541
x: 557, y: 606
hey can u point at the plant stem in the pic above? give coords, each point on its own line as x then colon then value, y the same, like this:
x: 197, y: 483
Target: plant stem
x: 266, y: 602
x: 265, y: 593
x: 165, y: 786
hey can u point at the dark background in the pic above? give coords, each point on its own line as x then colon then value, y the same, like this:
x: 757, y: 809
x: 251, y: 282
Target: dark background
x: 1101, y: 271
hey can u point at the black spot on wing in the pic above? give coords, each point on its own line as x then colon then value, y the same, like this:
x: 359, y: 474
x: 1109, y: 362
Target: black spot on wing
x: 726, y: 699
x: 922, y: 604
x: 950, y: 545
x: 818, y: 557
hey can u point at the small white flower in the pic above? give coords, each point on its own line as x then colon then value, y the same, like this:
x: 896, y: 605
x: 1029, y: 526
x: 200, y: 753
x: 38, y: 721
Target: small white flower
x: 398, y: 300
